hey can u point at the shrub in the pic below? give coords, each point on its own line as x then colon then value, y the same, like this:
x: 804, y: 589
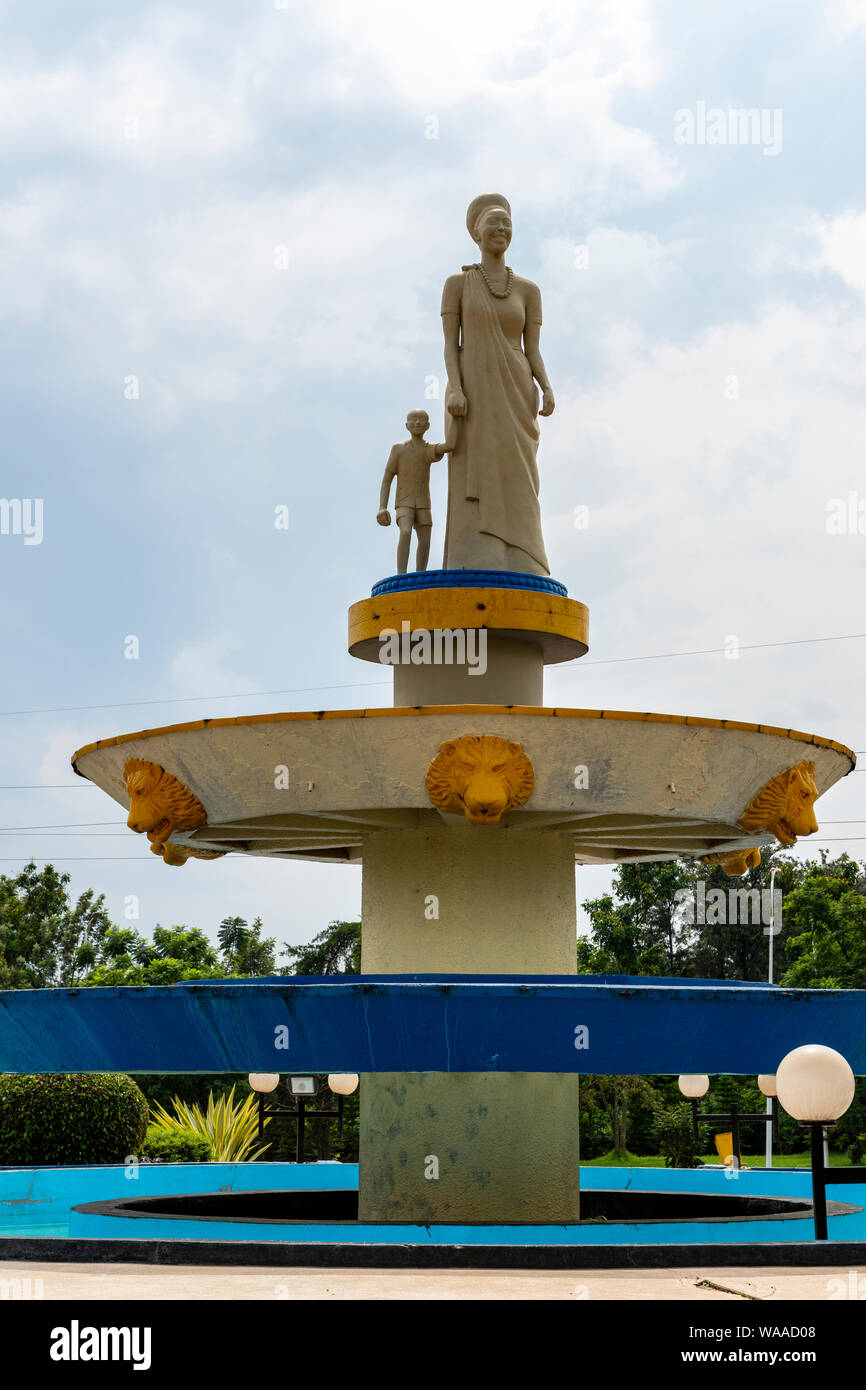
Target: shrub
x: 675, y: 1137
x: 231, y: 1127
x: 856, y: 1148
x: 70, y: 1118
x: 175, y: 1145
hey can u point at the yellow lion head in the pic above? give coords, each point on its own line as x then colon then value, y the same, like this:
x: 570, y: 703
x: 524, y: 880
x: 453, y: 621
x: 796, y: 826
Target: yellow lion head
x: 158, y: 803
x: 179, y: 854
x: 785, y: 806
x: 734, y: 861
x: 482, y: 776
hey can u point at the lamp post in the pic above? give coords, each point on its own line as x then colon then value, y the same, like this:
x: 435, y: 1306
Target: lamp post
x: 302, y: 1088
x: 771, y: 1095
x: 815, y: 1084
x: 767, y: 1087
x: 693, y: 1087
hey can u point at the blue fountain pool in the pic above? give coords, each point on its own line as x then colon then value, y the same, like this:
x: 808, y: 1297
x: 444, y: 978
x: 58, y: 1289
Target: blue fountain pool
x: 40, y: 1202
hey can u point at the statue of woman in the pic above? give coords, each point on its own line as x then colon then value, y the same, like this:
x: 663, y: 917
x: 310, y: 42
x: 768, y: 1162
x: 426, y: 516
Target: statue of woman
x: 492, y: 323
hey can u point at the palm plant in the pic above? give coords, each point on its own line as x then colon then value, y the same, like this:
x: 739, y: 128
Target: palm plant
x: 230, y: 1127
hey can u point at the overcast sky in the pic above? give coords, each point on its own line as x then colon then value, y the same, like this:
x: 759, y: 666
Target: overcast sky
x: 224, y: 232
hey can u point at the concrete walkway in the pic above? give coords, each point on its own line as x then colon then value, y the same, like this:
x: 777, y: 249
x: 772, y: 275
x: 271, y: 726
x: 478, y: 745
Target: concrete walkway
x: 20, y: 1279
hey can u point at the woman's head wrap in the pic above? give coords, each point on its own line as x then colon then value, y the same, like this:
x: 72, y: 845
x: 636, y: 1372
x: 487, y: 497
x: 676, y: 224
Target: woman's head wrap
x: 483, y: 203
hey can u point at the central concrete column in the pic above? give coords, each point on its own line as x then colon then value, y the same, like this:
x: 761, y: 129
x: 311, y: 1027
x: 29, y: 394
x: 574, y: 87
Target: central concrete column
x: 469, y: 1147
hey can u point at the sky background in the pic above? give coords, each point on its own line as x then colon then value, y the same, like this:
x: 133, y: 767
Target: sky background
x: 251, y: 208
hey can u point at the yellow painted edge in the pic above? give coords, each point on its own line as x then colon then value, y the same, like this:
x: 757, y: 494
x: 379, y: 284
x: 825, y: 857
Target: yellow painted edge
x: 430, y: 609
x: 401, y: 711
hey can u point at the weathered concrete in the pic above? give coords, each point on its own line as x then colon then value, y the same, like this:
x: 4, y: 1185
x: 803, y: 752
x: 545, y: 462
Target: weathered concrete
x: 49, y: 1281
x: 468, y: 899
x: 504, y: 671
x: 471, y: 1146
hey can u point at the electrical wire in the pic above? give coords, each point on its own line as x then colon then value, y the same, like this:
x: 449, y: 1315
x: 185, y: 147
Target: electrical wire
x: 355, y: 685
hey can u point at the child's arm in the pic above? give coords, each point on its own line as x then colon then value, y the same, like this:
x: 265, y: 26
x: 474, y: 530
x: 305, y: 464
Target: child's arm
x: 452, y: 429
x: 383, y: 516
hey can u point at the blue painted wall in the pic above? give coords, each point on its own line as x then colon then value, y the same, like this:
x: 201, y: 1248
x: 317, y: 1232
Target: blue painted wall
x: 375, y: 1023
x: 38, y: 1201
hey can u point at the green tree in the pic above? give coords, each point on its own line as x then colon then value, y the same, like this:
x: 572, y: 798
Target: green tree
x: 123, y: 957
x: 617, y: 945
x: 335, y: 951
x: 244, y: 950
x: 739, y: 949
x: 825, y: 921
x: 614, y: 1095
x: 638, y: 931
x: 44, y: 939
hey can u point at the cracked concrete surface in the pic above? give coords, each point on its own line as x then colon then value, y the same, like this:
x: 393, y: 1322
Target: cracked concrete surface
x: 129, y: 1281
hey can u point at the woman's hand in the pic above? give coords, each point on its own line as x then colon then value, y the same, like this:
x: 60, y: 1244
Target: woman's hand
x: 457, y: 404
x: 548, y: 404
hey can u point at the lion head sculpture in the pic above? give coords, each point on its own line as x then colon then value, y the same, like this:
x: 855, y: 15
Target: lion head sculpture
x: 785, y: 806
x: 481, y: 776
x: 734, y: 861
x: 179, y: 854
x: 158, y: 803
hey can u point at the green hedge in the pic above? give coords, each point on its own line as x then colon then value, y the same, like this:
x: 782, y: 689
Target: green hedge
x: 175, y: 1145
x: 76, y: 1118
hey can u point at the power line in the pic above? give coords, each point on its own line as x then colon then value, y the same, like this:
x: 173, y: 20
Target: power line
x: 68, y: 825
x: 145, y: 859
x: 356, y: 685
x: 188, y: 699
x: 714, y: 651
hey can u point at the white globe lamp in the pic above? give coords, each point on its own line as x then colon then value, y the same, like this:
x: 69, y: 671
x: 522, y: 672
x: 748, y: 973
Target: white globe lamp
x: 815, y: 1084
x: 343, y: 1083
x: 693, y: 1087
x: 264, y: 1081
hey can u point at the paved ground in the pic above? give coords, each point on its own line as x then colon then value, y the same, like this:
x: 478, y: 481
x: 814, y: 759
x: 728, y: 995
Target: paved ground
x: 96, y: 1281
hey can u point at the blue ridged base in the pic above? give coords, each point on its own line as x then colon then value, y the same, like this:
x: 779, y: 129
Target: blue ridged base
x: 468, y: 579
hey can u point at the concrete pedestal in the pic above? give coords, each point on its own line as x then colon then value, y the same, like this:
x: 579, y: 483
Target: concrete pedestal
x: 479, y: 1146
x: 500, y: 671
x: 470, y: 1146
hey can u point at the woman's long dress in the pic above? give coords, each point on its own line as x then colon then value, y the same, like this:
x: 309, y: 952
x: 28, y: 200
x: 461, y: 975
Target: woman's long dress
x: 494, y: 517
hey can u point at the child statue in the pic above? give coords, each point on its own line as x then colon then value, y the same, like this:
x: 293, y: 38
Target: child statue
x: 409, y: 463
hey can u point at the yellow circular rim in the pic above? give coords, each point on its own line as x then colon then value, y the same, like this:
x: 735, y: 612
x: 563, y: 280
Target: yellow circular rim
x: 421, y: 711
x: 559, y: 625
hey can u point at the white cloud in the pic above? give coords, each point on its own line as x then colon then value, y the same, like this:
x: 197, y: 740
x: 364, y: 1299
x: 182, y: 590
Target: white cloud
x: 843, y: 248
x: 204, y: 667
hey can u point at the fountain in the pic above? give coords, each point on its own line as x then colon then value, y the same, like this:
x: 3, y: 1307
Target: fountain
x: 467, y: 805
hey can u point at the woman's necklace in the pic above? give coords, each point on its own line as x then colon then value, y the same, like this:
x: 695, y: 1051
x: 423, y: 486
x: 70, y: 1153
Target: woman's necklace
x: 497, y: 294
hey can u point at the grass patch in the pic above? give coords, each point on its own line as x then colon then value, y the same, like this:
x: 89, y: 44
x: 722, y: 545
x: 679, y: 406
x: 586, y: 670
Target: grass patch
x: 624, y: 1159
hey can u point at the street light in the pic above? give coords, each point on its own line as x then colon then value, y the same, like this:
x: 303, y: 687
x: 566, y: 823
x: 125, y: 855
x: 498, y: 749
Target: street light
x: 771, y: 1106
x: 815, y: 1084
x: 264, y: 1082
x: 303, y: 1088
x: 693, y: 1087
x: 343, y: 1083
